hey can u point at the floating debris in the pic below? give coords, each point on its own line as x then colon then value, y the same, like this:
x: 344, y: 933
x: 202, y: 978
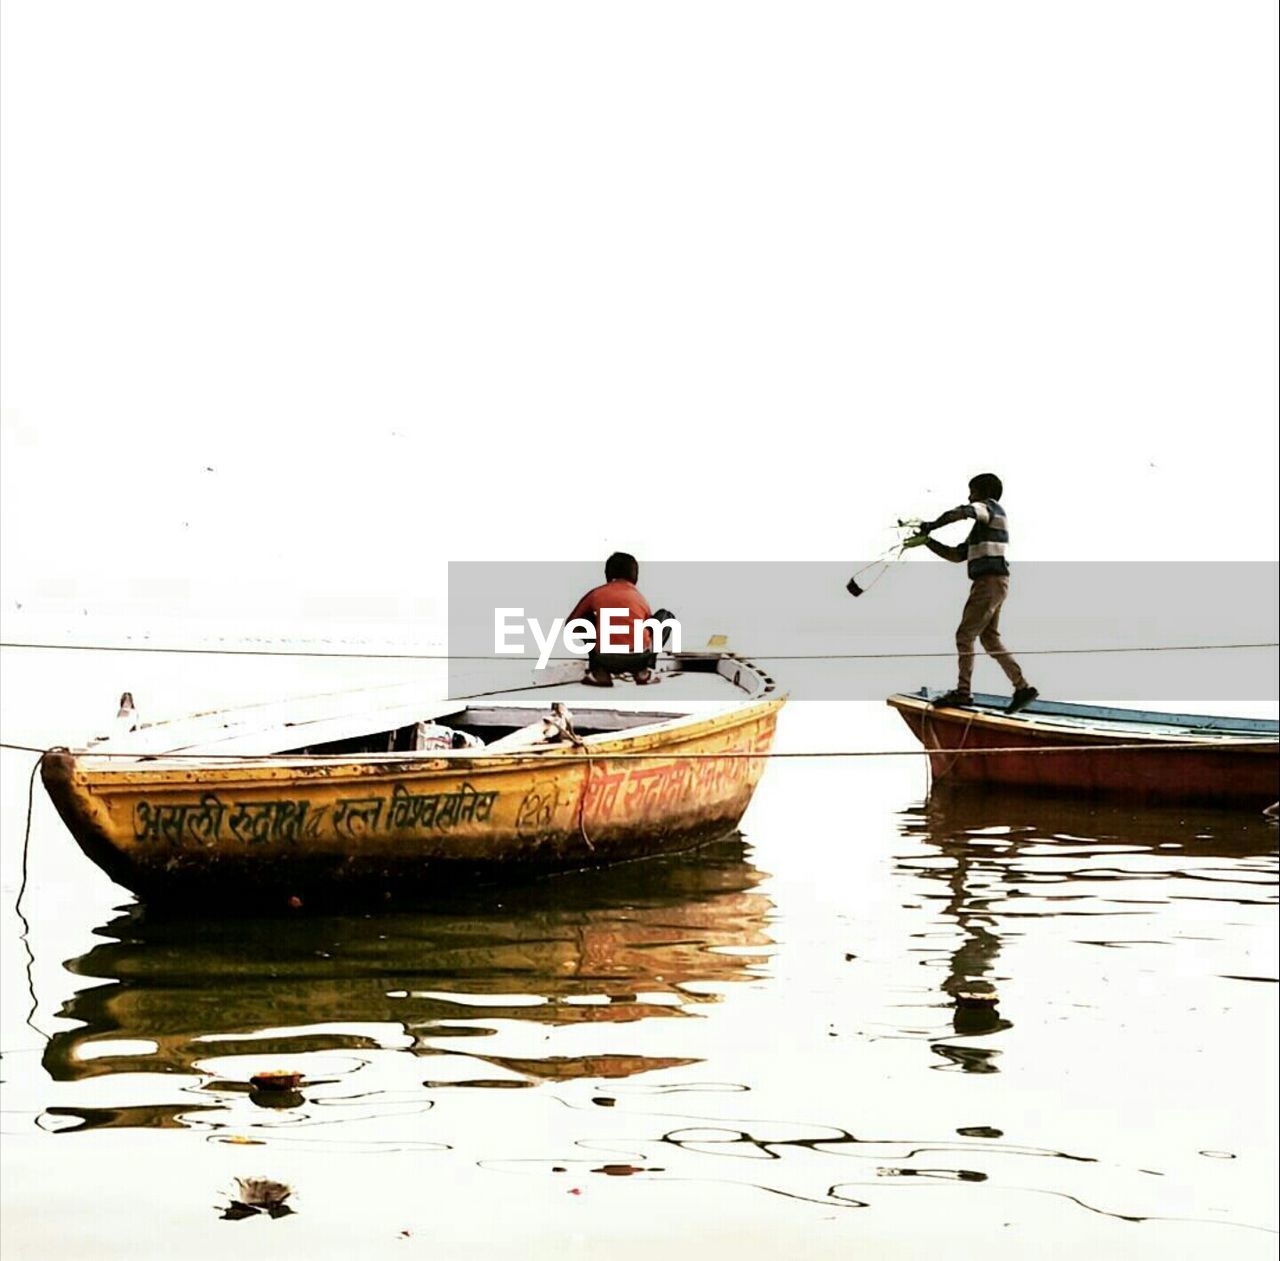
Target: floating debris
x: 486, y: 1083
x: 258, y: 1195
x: 277, y: 1088
x: 976, y: 998
x: 958, y: 1175
x: 263, y: 1192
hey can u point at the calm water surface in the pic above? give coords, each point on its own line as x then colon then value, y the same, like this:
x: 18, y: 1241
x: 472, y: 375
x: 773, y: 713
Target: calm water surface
x: 755, y: 1050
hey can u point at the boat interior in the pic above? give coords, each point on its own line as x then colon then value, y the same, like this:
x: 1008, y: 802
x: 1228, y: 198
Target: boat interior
x: 496, y: 727
x: 409, y: 719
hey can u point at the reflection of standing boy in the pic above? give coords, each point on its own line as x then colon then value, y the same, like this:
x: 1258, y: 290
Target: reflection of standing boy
x: 984, y: 552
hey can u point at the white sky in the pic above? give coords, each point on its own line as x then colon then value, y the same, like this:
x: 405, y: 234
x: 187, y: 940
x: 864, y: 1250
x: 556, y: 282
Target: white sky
x: 421, y: 282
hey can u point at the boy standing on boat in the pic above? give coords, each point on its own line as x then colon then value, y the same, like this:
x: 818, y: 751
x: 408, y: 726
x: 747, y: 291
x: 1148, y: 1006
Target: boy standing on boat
x: 619, y: 595
x: 984, y: 552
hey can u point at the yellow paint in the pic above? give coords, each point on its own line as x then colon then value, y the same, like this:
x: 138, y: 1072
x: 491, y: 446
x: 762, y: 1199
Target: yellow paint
x: 562, y: 805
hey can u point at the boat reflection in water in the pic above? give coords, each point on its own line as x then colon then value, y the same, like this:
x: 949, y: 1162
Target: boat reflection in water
x: 1002, y: 860
x: 613, y: 947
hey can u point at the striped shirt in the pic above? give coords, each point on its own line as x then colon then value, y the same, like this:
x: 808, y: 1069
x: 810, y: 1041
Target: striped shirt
x: 988, y: 540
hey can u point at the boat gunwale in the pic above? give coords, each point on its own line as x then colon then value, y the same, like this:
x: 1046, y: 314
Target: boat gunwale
x: 127, y: 772
x: 1040, y: 727
x: 758, y: 686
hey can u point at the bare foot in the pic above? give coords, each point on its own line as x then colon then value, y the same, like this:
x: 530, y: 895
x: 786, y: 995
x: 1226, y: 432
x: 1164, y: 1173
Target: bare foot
x: 645, y: 677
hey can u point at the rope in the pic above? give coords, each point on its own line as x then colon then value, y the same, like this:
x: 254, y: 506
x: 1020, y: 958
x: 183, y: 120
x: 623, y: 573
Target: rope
x: 757, y: 656
x: 958, y: 750
x: 886, y: 560
x: 669, y: 754
x: 1022, y: 652
x: 929, y: 774
x: 25, y: 934
x: 924, y: 740
x: 582, y: 803
x: 561, y: 722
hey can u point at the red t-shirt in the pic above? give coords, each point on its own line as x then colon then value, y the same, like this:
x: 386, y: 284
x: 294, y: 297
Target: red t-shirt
x: 618, y: 594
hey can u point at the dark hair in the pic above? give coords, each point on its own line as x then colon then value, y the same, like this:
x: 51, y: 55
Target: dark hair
x: 986, y: 486
x: 621, y: 565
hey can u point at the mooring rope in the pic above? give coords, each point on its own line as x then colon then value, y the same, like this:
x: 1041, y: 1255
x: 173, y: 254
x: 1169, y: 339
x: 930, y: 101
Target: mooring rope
x: 959, y: 750
x: 554, y: 752
x: 582, y: 802
x: 25, y: 934
x: 513, y: 660
x: 964, y: 736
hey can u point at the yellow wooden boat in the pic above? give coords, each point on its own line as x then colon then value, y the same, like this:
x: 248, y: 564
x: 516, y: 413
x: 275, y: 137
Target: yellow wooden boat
x: 270, y: 801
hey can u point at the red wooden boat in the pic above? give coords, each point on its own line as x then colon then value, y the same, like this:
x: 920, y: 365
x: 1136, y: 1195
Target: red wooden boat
x: 1090, y: 750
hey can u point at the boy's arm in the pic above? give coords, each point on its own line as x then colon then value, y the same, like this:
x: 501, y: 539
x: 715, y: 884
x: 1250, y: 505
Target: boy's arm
x: 956, y: 554
x: 962, y: 513
x: 965, y: 512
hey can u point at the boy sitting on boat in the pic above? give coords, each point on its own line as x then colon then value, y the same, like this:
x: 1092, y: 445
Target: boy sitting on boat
x: 628, y: 609
x: 984, y: 552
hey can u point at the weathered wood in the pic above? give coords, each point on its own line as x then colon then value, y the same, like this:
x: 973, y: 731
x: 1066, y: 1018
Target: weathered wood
x: 1098, y: 751
x: 644, y: 783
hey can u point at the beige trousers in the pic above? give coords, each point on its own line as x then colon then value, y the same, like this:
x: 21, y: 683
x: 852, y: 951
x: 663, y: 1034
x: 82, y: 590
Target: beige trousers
x: 981, y: 620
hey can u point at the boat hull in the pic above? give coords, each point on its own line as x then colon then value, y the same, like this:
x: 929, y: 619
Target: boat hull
x: 268, y: 829
x: 1236, y: 773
